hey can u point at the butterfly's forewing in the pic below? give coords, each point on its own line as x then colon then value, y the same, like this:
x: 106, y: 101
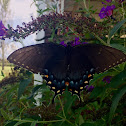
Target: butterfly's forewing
x: 98, y: 56
x: 79, y: 63
x: 38, y: 57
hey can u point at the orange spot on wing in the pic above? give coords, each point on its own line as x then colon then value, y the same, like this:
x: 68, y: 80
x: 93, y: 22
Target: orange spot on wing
x: 46, y: 76
x: 89, y: 75
x: 70, y: 89
x: 67, y: 83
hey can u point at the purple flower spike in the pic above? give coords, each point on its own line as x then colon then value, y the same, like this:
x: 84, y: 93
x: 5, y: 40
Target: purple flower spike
x: 107, y: 79
x: 77, y: 39
x: 76, y: 42
x: 3, y: 29
x: 105, y: 12
x: 89, y: 88
x: 109, y: 1
x: 62, y: 43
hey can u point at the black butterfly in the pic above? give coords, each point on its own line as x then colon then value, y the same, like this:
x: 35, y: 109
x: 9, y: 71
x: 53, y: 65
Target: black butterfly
x: 71, y: 66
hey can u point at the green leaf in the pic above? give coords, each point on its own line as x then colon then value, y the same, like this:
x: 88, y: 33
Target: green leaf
x: 96, y: 92
x: 119, y: 47
x: 29, y: 74
x: 118, y: 80
x: 18, y: 123
x: 81, y: 120
x: 98, y: 76
x: 8, y: 26
x: 115, y: 102
x: 2, y: 74
x: 12, y: 89
x: 4, y: 114
x: 35, y: 89
x: 88, y: 124
x: 23, y: 84
x: 34, y: 123
x: 2, y: 92
x: 70, y: 99
x: 116, y: 28
x: 52, y: 35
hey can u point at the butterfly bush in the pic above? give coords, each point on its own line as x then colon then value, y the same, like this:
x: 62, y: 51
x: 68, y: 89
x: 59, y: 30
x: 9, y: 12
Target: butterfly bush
x: 79, y: 26
x: 93, y: 110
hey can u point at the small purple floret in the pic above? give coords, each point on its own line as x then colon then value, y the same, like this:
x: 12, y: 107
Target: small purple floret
x: 3, y: 29
x: 74, y: 43
x: 89, y: 88
x: 107, y: 79
x: 109, y: 1
x: 105, y: 12
x: 62, y: 43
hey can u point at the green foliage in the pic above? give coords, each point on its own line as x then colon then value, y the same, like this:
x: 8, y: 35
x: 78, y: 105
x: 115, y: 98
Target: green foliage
x: 94, y: 110
x: 116, y: 28
x: 105, y: 105
x: 23, y: 84
x: 115, y: 102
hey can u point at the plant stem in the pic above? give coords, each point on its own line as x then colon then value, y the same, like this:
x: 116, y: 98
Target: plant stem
x: 74, y: 33
x: 21, y: 112
x: 62, y: 107
x: 103, y: 42
x: 65, y: 119
x: 84, y: 1
x: 87, y: 10
x: 123, y: 18
x: 19, y: 120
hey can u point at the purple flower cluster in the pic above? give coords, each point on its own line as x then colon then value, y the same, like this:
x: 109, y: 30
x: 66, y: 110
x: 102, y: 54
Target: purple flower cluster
x: 77, y: 42
x: 74, y: 43
x: 107, y: 79
x: 109, y: 0
x: 62, y: 43
x: 106, y: 12
x: 52, y: 21
x: 3, y: 29
x: 89, y: 88
x: 44, y: 22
